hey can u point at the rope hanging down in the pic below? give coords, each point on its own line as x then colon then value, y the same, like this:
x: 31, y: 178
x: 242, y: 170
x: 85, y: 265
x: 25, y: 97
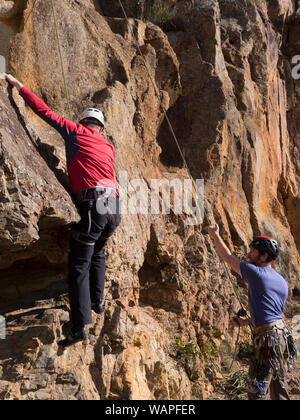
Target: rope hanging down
x: 173, y: 134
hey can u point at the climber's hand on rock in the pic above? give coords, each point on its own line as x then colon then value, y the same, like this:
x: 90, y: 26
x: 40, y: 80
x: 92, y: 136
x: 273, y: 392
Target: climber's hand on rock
x: 13, y: 81
x: 239, y: 321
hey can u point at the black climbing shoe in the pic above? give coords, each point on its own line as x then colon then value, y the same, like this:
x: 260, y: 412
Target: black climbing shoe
x: 74, y: 337
x: 98, y: 307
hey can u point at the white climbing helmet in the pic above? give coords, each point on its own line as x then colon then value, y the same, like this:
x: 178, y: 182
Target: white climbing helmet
x: 93, y: 113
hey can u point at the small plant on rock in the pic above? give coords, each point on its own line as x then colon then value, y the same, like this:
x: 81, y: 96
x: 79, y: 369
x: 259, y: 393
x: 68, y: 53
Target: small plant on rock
x: 235, y: 385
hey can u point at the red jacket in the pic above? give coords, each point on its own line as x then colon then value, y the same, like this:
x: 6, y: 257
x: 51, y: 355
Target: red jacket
x: 90, y: 158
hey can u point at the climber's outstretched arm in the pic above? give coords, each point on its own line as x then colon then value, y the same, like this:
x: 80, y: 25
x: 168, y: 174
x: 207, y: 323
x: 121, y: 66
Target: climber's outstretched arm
x: 223, y: 250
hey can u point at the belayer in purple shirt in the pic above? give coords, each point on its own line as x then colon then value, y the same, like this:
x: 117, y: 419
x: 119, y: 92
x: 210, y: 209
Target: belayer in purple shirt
x: 274, y: 349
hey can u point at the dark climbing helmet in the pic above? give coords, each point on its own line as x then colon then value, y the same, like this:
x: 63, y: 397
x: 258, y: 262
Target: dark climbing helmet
x: 266, y: 244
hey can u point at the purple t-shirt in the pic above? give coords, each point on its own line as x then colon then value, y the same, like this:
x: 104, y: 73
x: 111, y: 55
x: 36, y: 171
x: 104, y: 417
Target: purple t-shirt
x: 267, y: 293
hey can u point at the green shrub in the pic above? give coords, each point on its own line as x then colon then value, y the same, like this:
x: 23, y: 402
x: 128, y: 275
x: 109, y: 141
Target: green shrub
x: 163, y: 14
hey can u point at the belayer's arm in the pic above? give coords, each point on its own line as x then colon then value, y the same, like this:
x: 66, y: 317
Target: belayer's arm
x: 223, y: 250
x: 41, y: 109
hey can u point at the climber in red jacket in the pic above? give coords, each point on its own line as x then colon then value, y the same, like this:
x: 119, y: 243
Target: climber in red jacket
x: 90, y: 164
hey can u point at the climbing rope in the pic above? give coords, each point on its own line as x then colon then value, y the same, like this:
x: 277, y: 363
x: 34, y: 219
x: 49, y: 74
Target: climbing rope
x: 161, y: 104
x: 236, y: 293
x: 236, y: 348
x: 157, y: 94
x: 61, y: 59
x: 59, y: 49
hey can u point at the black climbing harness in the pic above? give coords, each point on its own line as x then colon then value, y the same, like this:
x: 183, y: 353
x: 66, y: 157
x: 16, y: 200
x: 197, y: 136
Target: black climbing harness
x: 100, y: 195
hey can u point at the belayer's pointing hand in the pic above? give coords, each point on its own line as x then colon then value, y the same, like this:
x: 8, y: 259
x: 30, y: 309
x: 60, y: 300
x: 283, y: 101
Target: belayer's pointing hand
x: 223, y: 250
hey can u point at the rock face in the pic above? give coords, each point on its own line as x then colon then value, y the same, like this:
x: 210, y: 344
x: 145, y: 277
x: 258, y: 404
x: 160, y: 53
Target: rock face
x: 224, y: 78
